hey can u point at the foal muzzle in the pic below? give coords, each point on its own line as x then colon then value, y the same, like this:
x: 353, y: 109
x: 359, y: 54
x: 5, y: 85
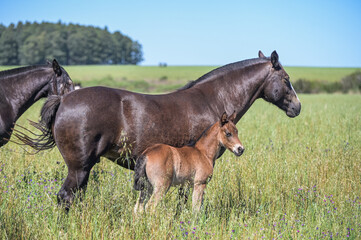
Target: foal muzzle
x: 238, y: 151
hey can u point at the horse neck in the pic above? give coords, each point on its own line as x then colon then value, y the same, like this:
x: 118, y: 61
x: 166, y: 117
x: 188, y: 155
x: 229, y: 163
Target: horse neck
x: 235, y: 90
x: 209, y: 144
x: 22, y: 88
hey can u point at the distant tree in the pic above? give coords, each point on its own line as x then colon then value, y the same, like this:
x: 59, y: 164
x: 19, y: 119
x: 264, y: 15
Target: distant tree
x: 77, y: 47
x: 2, y: 29
x: 8, y: 47
x: 58, y: 46
x: 136, y: 53
x: 34, y: 50
x: 33, y: 43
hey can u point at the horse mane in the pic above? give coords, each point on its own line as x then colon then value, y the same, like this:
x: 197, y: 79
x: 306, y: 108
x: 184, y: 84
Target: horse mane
x: 21, y: 70
x: 221, y: 70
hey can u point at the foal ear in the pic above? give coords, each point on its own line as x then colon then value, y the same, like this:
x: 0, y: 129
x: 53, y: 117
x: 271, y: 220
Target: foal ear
x: 260, y: 54
x: 224, y: 118
x: 232, y: 117
x: 274, y: 60
x: 56, y: 68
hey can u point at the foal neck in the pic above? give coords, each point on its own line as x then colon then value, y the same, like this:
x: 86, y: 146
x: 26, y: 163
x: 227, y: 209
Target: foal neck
x: 209, y: 144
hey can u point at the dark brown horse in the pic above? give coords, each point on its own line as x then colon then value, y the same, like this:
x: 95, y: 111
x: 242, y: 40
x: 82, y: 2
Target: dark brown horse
x: 21, y: 87
x: 119, y: 125
x: 162, y: 166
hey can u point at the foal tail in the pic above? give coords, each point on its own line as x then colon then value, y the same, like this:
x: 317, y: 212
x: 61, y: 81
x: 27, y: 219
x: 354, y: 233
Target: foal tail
x: 140, y: 176
x: 44, y: 140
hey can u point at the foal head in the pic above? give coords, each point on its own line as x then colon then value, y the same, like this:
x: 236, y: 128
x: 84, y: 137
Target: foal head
x: 278, y: 88
x: 228, y: 134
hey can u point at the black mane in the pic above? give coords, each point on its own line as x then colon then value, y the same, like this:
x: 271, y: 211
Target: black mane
x: 20, y: 70
x: 223, y: 69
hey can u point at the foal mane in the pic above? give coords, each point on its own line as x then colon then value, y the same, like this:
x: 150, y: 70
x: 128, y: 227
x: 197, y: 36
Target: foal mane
x: 224, y: 69
x: 15, y: 71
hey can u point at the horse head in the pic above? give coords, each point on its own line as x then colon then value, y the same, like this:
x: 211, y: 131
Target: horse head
x: 62, y: 83
x: 278, y: 89
x: 59, y: 82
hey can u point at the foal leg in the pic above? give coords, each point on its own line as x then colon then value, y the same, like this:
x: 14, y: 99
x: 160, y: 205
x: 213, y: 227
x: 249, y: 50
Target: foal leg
x: 159, y: 191
x: 183, y: 193
x: 143, y: 196
x: 197, y: 197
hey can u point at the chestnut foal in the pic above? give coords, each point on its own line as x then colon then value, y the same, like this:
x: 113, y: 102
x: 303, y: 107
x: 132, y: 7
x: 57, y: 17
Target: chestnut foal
x: 161, y: 166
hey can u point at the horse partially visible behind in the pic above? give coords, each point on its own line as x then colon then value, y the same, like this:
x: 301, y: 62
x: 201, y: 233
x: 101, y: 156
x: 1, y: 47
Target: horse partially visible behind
x: 22, y: 87
x: 161, y: 166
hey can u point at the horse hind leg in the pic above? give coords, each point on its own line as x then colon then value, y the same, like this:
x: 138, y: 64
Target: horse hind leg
x: 160, y: 189
x: 76, y: 180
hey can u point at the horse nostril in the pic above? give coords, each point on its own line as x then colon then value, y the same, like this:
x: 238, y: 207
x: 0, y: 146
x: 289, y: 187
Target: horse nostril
x: 240, y: 150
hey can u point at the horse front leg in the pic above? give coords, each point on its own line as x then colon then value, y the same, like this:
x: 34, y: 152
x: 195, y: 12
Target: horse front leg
x: 197, y: 197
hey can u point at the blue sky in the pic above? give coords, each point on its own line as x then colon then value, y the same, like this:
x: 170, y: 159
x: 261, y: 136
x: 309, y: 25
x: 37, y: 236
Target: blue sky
x: 191, y: 32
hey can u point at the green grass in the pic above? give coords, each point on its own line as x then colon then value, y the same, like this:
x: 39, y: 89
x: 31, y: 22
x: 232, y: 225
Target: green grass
x: 298, y: 179
x: 319, y: 74
x: 165, y: 79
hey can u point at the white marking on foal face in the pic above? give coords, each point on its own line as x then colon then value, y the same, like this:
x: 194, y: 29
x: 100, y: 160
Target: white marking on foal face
x: 236, y: 149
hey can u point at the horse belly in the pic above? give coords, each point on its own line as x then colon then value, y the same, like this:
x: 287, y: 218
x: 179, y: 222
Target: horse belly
x: 182, y: 180
x: 183, y: 169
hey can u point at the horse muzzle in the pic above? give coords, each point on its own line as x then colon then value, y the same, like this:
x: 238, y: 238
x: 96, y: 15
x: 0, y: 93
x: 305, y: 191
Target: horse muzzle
x: 294, y: 109
x: 238, y: 151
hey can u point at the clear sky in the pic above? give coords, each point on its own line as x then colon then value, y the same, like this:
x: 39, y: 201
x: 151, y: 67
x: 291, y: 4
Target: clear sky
x: 197, y: 32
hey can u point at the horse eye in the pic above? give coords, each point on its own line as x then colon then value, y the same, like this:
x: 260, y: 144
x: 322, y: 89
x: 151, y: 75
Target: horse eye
x: 228, y: 134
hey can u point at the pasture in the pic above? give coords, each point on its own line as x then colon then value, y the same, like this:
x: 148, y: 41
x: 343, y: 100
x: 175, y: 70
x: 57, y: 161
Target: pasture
x: 297, y: 179
x: 164, y: 79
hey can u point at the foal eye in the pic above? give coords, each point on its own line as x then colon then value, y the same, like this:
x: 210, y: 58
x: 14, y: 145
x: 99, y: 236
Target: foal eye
x: 228, y: 134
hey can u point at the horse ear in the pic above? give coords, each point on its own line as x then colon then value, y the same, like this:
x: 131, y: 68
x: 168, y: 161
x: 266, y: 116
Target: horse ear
x: 56, y: 68
x: 232, y: 117
x: 260, y: 54
x: 274, y: 60
x: 224, y: 118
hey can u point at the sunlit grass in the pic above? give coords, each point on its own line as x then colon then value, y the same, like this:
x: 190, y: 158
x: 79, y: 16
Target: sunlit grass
x: 298, y: 179
x: 164, y: 79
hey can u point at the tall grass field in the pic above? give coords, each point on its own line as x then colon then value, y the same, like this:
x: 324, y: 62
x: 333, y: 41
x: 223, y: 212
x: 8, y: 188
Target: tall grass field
x: 298, y: 179
x: 164, y: 79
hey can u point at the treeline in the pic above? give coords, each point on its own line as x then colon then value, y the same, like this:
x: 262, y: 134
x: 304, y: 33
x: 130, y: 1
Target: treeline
x: 32, y: 43
x: 348, y: 84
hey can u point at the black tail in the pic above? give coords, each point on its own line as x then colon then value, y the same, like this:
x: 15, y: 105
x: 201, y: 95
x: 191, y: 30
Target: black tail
x: 140, y: 176
x: 45, y: 139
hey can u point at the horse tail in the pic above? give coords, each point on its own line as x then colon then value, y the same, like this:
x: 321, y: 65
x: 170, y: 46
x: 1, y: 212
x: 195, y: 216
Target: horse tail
x: 44, y: 140
x: 140, y: 176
